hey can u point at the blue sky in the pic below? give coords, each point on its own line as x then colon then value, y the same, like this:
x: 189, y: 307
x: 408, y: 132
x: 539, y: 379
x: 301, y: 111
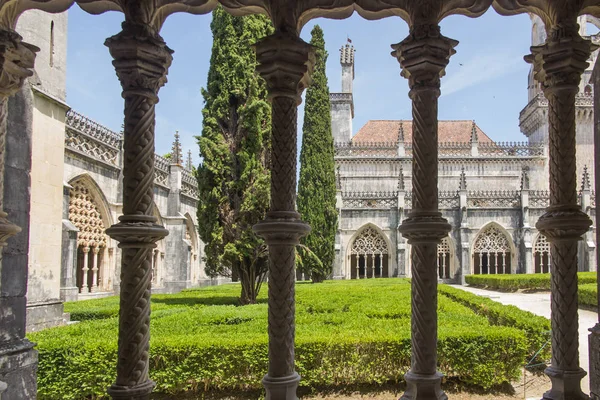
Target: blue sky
x: 485, y: 81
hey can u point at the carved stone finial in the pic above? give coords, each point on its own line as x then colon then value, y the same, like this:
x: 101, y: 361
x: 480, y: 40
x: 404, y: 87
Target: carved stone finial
x: 462, y: 185
x: 285, y: 62
x: 424, y: 55
x: 585, y: 179
x: 401, y: 133
x: 176, y: 153
x: 338, y: 179
x: 474, y: 138
x: 347, y: 55
x: 189, y: 163
x: 401, y: 185
x: 525, y: 179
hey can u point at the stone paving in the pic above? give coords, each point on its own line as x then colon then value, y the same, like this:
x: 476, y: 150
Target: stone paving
x: 539, y: 304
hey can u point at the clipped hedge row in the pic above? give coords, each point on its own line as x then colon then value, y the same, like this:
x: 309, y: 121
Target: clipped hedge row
x: 537, y: 328
x: 513, y: 282
x: 349, y: 332
x: 588, y: 295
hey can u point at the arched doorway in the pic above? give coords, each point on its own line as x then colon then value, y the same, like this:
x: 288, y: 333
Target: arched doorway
x: 158, y: 255
x: 84, y: 213
x: 369, y: 255
x: 492, y: 252
x: 541, y: 255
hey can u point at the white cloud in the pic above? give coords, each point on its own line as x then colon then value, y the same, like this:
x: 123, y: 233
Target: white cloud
x: 481, y: 68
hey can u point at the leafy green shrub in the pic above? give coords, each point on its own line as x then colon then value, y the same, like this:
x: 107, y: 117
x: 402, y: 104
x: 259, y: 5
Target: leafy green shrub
x: 522, y: 281
x: 588, y: 295
x: 537, y: 328
x: 349, y: 332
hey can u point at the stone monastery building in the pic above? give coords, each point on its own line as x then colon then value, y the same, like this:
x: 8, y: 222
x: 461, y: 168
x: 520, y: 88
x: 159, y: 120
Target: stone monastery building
x: 492, y: 193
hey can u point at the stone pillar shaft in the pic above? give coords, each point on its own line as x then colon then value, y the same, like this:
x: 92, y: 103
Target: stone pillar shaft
x: 423, y: 57
x: 558, y: 65
x: 285, y: 62
x: 141, y: 59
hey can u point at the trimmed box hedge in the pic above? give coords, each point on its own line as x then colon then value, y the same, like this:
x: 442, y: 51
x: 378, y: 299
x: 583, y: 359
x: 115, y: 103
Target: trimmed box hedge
x: 537, y: 328
x: 512, y: 282
x: 347, y: 332
x: 588, y: 295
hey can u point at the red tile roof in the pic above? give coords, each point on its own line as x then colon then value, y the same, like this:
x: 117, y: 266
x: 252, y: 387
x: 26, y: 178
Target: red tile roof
x: 378, y: 131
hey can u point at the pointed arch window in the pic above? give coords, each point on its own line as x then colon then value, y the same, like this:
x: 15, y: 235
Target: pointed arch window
x: 541, y: 255
x: 491, y: 253
x: 369, y: 255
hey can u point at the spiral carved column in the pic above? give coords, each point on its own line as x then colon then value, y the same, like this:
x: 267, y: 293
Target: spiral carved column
x: 141, y: 59
x: 558, y: 65
x: 423, y: 56
x: 285, y: 62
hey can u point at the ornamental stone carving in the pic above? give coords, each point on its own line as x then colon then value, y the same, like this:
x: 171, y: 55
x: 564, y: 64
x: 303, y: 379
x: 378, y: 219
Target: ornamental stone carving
x: 85, y: 215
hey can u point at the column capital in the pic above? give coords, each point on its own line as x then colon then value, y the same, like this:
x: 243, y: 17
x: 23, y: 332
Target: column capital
x: 17, y: 60
x: 424, y: 55
x: 141, y: 59
x: 559, y: 63
x: 285, y: 62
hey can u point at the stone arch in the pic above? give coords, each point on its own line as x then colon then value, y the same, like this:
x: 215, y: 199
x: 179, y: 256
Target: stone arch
x: 493, y: 250
x: 89, y: 212
x: 158, y: 253
x: 446, y: 260
x: 541, y: 254
x: 369, y: 253
x: 191, y: 236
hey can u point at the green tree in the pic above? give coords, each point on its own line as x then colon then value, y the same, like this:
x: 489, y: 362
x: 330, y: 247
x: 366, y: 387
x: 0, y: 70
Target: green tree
x: 316, y: 189
x: 234, y: 178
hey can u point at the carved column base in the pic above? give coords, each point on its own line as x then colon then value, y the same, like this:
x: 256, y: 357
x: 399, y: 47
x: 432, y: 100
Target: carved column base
x: 566, y: 385
x: 18, y: 370
x: 139, y: 392
x: 594, y: 353
x: 423, y: 387
x: 282, y: 388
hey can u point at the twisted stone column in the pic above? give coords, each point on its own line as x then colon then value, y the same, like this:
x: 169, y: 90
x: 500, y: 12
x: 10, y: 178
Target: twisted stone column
x: 285, y: 62
x: 558, y: 65
x: 141, y: 59
x: 423, y: 56
x: 18, y: 359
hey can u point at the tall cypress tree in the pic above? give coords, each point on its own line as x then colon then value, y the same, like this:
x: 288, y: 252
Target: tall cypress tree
x: 316, y: 189
x: 234, y: 178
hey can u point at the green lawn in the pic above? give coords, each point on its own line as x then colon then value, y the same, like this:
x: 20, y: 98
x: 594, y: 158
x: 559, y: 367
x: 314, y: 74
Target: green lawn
x: 347, y: 332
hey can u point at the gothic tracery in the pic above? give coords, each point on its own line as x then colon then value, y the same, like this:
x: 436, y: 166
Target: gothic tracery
x: 492, y: 252
x: 369, y: 255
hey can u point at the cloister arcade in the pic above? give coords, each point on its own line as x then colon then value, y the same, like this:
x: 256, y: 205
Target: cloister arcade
x: 142, y: 59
